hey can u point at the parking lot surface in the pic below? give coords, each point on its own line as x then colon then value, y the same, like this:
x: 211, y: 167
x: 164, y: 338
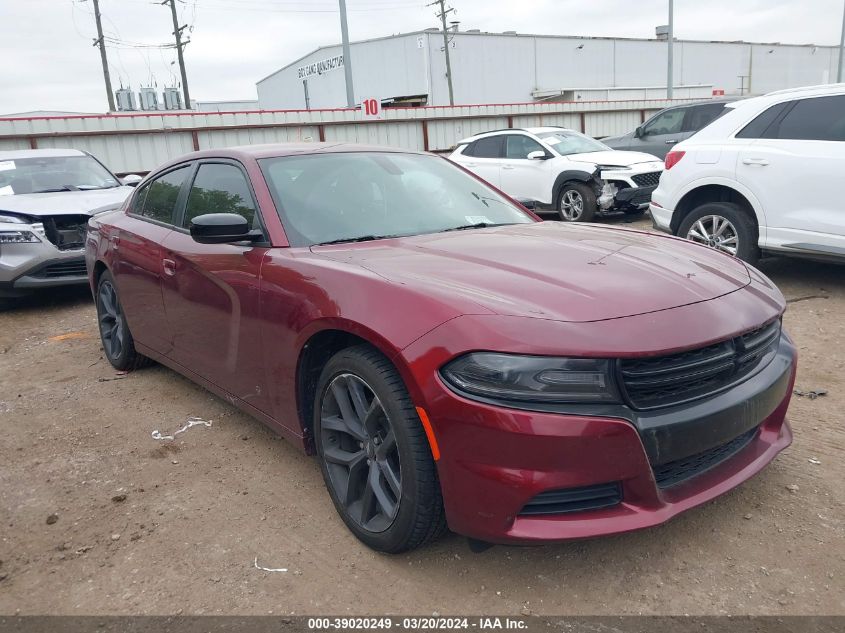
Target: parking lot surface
x: 98, y: 517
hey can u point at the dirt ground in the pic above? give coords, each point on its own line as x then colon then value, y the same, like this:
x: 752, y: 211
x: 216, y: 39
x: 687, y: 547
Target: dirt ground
x: 149, y: 527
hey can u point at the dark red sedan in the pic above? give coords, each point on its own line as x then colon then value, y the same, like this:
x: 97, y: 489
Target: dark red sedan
x: 450, y: 359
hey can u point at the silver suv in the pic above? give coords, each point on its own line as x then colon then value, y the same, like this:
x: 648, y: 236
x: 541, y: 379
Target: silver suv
x: 46, y: 199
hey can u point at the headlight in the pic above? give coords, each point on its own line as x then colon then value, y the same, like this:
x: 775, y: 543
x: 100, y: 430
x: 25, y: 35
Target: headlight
x: 12, y: 219
x: 17, y: 237
x: 538, y: 379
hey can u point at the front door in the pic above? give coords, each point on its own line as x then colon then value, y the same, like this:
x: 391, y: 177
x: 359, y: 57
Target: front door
x: 137, y: 266
x: 211, y: 291
x: 660, y: 133
x: 524, y: 178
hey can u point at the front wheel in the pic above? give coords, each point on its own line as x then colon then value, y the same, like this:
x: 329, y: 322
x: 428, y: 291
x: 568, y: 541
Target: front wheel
x: 118, y: 344
x: 374, y: 454
x: 724, y: 226
x: 576, y: 203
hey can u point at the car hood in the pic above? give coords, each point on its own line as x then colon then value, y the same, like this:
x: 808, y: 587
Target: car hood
x: 65, y: 202
x: 550, y: 270
x: 614, y: 157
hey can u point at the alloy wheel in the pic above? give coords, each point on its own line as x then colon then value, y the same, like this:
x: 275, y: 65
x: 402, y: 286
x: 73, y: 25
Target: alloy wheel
x: 360, y: 452
x: 571, y: 205
x: 716, y: 232
x: 111, y: 320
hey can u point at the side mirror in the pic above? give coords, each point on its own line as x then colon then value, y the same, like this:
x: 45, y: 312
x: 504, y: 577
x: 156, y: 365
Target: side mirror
x: 131, y: 180
x: 638, y: 133
x: 222, y: 228
x: 536, y: 155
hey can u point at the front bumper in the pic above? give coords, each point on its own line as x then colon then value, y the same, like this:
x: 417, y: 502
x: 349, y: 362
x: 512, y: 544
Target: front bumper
x: 495, y: 460
x: 28, y: 266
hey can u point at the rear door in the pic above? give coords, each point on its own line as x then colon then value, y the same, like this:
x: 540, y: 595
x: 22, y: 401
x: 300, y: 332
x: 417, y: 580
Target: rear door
x: 524, y: 178
x: 484, y: 157
x: 660, y: 133
x: 795, y: 167
x: 137, y: 266
x: 211, y: 291
x: 700, y: 116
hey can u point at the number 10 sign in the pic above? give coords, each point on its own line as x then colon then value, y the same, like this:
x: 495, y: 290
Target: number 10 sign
x: 371, y: 108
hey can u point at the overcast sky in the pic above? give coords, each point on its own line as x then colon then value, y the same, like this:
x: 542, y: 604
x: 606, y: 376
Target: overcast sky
x: 49, y: 62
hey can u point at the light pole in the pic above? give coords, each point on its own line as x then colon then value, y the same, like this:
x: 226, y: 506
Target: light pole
x: 841, y: 49
x: 347, y: 60
x: 670, y: 76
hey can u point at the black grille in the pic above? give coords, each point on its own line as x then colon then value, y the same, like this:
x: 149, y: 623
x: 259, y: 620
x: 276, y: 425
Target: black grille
x: 647, y: 180
x: 574, y: 500
x: 680, y: 470
x: 71, y: 268
x: 667, y: 380
x: 640, y: 197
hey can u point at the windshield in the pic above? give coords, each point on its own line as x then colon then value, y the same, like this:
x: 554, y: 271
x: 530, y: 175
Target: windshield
x: 566, y: 142
x: 43, y: 174
x: 368, y: 195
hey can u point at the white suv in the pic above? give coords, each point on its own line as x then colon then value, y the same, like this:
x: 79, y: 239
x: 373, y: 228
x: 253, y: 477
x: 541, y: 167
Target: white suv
x: 763, y: 177
x: 561, y: 169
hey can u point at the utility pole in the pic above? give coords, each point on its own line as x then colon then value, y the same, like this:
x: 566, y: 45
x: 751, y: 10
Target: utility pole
x: 670, y: 71
x: 841, y: 50
x: 102, y: 44
x: 177, y: 31
x: 347, y: 60
x: 442, y: 15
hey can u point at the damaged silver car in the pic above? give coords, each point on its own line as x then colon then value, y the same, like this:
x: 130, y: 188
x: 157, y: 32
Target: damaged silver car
x: 46, y: 199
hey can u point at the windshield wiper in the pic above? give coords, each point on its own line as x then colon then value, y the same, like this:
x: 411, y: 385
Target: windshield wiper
x: 477, y: 225
x: 349, y: 240
x: 55, y: 189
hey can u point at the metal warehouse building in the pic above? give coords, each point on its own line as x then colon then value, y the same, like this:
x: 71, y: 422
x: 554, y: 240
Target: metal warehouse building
x: 514, y: 68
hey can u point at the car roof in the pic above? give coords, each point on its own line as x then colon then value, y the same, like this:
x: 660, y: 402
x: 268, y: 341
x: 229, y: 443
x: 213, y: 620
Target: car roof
x: 511, y: 130
x: 275, y: 150
x: 39, y: 153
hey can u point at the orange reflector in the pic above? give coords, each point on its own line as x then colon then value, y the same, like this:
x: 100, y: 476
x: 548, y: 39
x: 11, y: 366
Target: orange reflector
x: 432, y: 441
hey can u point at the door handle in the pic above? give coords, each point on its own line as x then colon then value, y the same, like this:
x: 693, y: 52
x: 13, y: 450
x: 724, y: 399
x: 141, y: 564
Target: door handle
x: 508, y: 167
x: 169, y: 267
x: 671, y: 141
x: 761, y: 162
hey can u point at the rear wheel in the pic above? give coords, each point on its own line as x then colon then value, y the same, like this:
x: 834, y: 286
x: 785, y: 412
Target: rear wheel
x: 118, y: 344
x: 374, y: 454
x: 724, y: 226
x: 576, y: 203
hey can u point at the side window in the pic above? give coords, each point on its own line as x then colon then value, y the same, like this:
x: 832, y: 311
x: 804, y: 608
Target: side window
x: 137, y: 204
x: 816, y: 119
x: 161, y: 195
x: 489, y: 147
x: 668, y: 122
x: 699, y: 117
x: 519, y: 146
x: 220, y: 188
x: 761, y: 127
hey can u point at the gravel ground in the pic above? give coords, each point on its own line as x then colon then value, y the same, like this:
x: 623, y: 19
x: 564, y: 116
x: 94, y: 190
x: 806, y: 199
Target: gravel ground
x: 99, y: 518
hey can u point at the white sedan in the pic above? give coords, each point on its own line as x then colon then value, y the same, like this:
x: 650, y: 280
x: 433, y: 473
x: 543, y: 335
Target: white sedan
x: 561, y: 169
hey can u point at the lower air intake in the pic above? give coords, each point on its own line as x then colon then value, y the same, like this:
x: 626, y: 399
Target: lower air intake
x: 574, y: 500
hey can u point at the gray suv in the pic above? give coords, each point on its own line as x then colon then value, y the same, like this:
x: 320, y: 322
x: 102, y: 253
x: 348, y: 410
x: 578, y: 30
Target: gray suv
x: 669, y: 127
x: 46, y: 199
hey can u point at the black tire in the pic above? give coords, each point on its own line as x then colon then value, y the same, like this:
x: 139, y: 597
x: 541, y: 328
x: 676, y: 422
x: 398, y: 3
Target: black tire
x: 571, y: 193
x: 740, y: 224
x: 118, y: 344
x: 345, y: 438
